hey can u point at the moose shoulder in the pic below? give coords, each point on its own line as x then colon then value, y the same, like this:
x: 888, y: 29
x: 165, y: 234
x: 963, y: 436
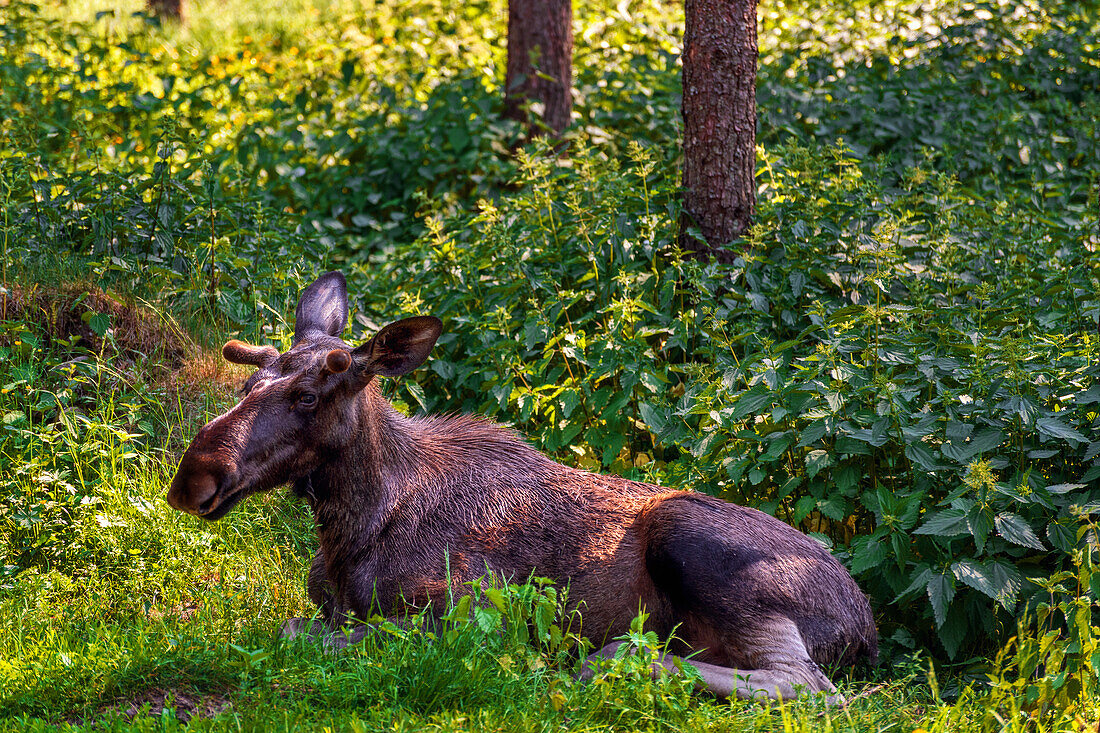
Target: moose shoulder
x: 405, y: 505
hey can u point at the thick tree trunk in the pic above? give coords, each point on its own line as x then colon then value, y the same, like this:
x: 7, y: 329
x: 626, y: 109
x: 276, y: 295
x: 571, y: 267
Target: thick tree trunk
x: 166, y: 9
x: 540, y: 61
x: 719, y: 108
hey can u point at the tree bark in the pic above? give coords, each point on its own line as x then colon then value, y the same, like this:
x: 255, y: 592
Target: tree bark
x: 166, y: 9
x: 719, y: 108
x: 540, y: 62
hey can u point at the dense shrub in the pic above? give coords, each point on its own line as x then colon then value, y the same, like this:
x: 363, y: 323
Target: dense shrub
x: 856, y: 372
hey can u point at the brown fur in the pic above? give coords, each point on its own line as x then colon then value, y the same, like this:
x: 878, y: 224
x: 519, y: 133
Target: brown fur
x: 402, y: 505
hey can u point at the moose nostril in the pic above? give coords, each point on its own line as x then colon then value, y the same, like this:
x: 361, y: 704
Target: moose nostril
x: 202, y: 488
x: 188, y: 493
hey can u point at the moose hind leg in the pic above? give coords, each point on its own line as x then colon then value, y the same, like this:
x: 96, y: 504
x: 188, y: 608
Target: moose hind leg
x: 780, y: 661
x: 784, y: 668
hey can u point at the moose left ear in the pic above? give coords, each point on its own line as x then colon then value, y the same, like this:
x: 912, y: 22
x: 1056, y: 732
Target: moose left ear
x: 323, y: 307
x: 399, y: 347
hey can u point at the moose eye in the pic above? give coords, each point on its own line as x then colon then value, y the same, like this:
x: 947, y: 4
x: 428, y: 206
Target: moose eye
x: 307, y: 399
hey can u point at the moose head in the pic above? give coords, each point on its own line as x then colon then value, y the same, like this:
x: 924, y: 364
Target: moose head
x: 297, y: 407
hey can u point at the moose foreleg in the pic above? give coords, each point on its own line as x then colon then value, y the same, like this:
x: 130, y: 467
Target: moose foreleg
x: 329, y: 629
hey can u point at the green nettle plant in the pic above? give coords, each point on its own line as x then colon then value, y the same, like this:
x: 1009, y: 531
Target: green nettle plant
x: 855, y: 372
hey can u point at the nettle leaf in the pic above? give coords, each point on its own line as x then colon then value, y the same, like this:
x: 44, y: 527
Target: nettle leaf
x: 980, y: 521
x: 1055, y: 428
x: 816, y: 460
x: 946, y: 523
x: 834, y: 507
x: 925, y: 426
x: 998, y: 580
x: 954, y: 630
x: 570, y: 398
x: 814, y: 432
x: 1007, y: 580
x: 751, y: 401
x: 919, y: 581
x: 803, y: 507
x: 652, y: 417
x: 1089, y: 396
x: 1062, y: 536
x: 941, y: 591
x: 1064, y: 488
x: 919, y: 454
x: 986, y: 440
x: 973, y: 574
x: 1015, y: 529
x: 868, y: 554
x: 1092, y: 451
x: 959, y: 431
x: 958, y: 453
x: 99, y: 323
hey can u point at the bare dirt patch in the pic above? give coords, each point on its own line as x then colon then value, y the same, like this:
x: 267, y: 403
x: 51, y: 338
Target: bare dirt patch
x: 65, y: 314
x: 186, y: 705
x: 143, y: 343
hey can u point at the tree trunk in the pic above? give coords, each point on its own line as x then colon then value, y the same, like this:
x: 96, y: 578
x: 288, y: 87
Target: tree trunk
x: 719, y: 107
x: 166, y: 9
x: 540, y: 62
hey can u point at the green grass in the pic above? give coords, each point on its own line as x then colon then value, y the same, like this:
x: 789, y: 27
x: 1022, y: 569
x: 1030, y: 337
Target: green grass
x: 942, y: 252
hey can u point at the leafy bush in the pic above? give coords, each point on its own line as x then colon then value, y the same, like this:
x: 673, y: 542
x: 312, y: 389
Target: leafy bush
x: 855, y: 373
x: 1052, y: 664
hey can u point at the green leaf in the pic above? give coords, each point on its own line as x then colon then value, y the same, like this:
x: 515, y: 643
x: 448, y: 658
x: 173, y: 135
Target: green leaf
x: 803, y: 507
x: 980, y: 521
x: 487, y: 619
x: 960, y: 453
x: 751, y: 401
x: 945, y: 523
x: 1062, y: 536
x: 998, y: 579
x: 941, y: 590
x: 14, y: 416
x: 867, y: 553
x: 1015, y: 529
x: 814, y: 432
x: 1064, y: 488
x: 922, y: 457
x: 652, y: 417
x: 834, y: 507
x: 953, y: 630
x: 99, y: 323
x: 1055, y: 428
x: 816, y: 460
x: 569, y: 399
x: 1007, y: 580
x: 974, y: 575
x: 985, y: 440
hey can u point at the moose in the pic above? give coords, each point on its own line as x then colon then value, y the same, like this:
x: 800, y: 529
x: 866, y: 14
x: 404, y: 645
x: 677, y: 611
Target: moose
x: 407, y: 508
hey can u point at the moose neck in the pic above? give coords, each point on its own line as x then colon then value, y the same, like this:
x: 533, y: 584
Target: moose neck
x: 360, y: 483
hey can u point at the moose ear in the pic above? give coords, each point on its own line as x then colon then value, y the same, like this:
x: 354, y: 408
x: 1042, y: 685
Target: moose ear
x: 323, y: 307
x: 239, y: 352
x: 399, y: 347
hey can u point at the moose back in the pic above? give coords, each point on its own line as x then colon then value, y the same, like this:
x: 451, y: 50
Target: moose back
x: 406, y: 505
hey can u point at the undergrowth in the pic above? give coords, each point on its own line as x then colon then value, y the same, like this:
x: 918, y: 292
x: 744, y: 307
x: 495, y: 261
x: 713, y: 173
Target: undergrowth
x: 903, y: 361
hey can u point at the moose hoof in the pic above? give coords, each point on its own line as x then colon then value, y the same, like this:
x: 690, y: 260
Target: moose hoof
x: 295, y: 627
